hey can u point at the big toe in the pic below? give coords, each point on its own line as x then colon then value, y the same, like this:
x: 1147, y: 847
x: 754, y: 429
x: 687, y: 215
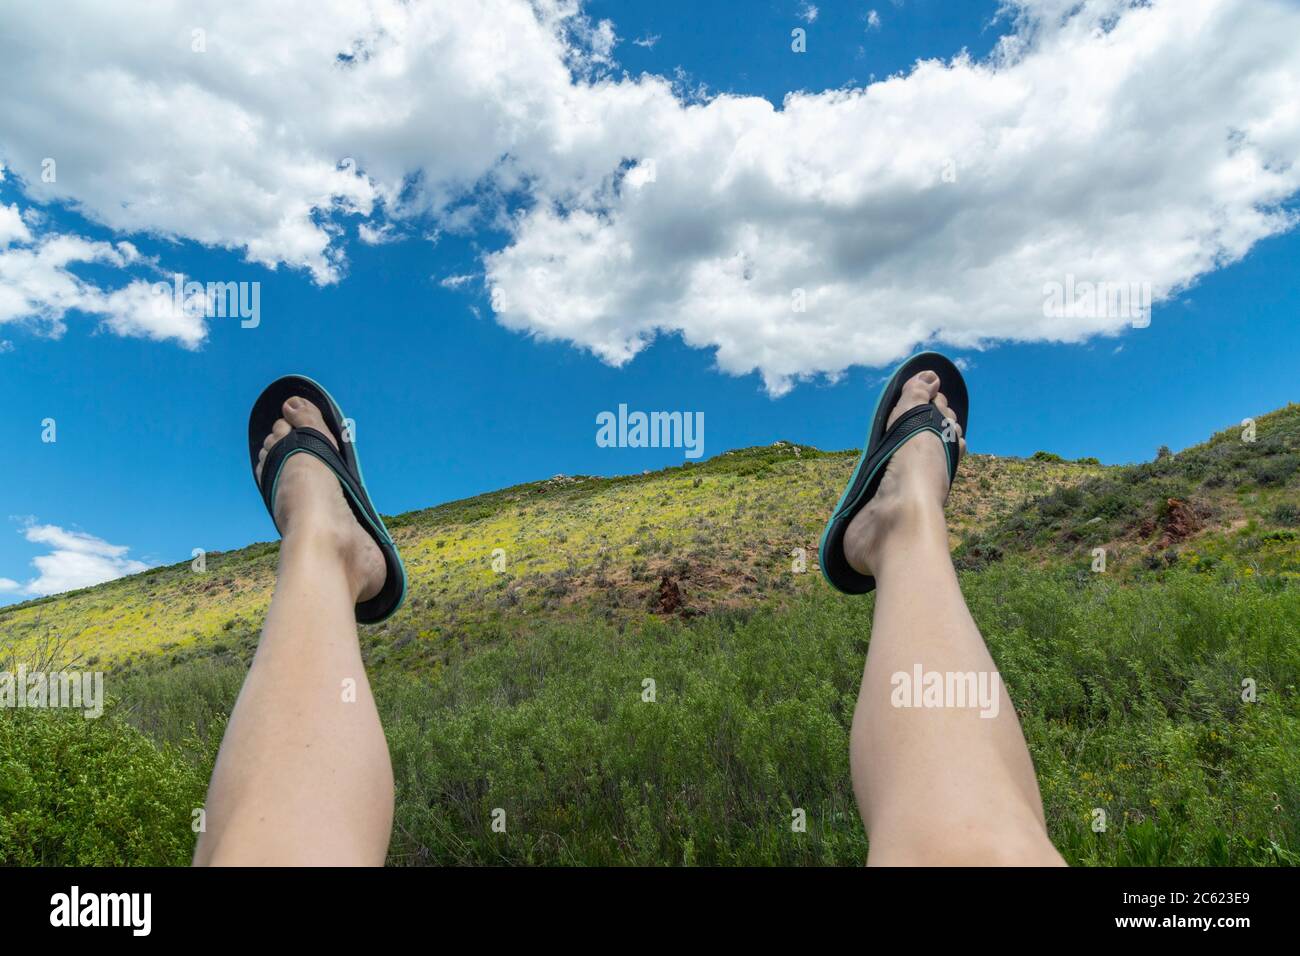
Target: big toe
x: 917, y: 390
x: 301, y: 413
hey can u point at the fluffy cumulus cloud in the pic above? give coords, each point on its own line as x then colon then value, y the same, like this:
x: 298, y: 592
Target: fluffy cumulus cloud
x: 1103, y: 141
x: 74, y: 560
x: 37, y: 283
x: 1146, y: 145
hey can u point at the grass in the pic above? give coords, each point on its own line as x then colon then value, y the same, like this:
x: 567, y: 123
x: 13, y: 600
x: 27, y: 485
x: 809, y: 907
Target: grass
x: 78, y: 792
x: 1145, y: 515
x: 724, y: 531
x: 1131, y: 700
x: 1159, y: 696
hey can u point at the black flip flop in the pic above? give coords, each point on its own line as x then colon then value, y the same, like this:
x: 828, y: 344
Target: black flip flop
x: 343, y: 463
x: 880, y: 446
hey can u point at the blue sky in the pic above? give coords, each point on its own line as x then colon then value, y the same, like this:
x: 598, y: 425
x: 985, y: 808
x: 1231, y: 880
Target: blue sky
x: 150, y: 450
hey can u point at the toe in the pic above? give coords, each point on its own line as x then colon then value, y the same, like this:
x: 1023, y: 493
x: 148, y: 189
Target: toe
x: 952, y: 428
x: 941, y: 403
x: 278, y: 431
x: 917, y: 390
x: 303, y: 414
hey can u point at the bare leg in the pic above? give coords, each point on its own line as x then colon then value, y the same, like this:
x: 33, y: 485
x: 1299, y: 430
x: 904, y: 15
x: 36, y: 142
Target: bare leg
x: 947, y: 785
x: 303, y: 776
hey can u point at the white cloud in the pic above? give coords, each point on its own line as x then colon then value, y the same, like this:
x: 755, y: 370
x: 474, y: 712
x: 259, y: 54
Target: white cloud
x: 136, y: 311
x: 1104, y: 140
x: 873, y: 20
x: 12, y: 227
x: 293, y: 114
x: 931, y: 207
x: 600, y: 40
x: 807, y: 12
x: 37, y: 283
x: 648, y: 41
x: 377, y: 235
x: 75, y: 560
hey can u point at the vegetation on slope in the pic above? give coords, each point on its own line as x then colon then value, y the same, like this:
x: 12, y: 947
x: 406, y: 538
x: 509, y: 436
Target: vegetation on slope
x: 690, y: 540
x: 1131, y: 700
x: 1231, y: 499
x: 524, y: 690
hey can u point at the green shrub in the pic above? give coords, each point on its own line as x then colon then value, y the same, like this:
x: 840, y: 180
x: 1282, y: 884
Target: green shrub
x: 1276, y: 470
x: 1287, y: 513
x: 78, y: 792
x: 1130, y: 697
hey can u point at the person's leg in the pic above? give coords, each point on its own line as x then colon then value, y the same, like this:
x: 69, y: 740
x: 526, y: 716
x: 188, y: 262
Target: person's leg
x: 935, y: 785
x: 303, y: 775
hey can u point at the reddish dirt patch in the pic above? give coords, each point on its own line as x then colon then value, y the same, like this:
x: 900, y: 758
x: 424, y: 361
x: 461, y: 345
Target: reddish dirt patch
x: 668, y: 600
x: 1180, y: 521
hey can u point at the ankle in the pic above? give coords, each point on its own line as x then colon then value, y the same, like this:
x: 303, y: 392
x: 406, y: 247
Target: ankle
x: 901, y: 526
x: 320, y: 538
x: 319, y: 544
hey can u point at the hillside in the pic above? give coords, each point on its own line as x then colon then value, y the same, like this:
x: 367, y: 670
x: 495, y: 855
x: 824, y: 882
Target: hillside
x: 521, y: 688
x: 684, y: 541
x: 1229, y: 502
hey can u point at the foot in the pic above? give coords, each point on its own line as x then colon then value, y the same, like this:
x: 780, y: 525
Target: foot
x: 912, y: 492
x: 310, y: 507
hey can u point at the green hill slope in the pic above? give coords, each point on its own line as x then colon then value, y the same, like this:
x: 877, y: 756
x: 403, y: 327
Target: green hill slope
x: 1231, y: 501
x: 685, y: 541
x: 521, y: 688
